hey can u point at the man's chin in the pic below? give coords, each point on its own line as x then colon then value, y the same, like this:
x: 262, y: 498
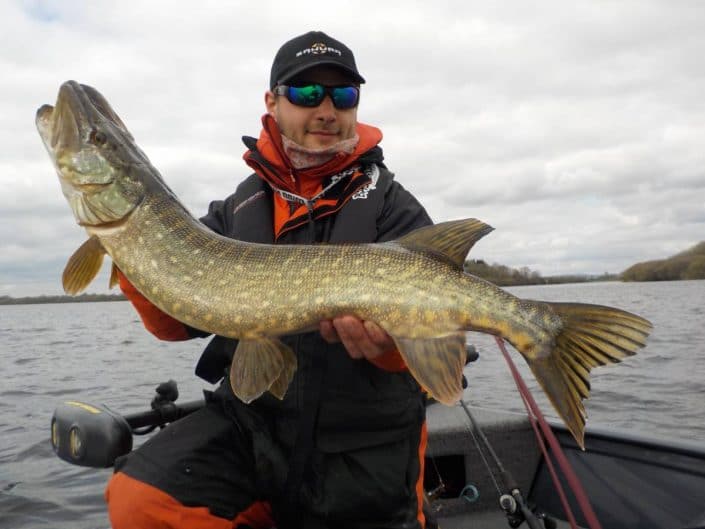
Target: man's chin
x: 320, y: 141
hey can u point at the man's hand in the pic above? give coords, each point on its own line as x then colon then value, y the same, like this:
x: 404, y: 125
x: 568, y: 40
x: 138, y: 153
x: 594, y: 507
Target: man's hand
x: 362, y: 339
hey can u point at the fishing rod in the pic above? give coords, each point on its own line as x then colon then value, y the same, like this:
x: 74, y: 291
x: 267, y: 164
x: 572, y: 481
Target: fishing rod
x: 511, y: 499
x: 543, y: 432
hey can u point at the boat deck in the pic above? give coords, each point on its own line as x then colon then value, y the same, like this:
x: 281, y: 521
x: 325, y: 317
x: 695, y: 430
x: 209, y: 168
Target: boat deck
x: 633, y: 481
x: 456, y: 457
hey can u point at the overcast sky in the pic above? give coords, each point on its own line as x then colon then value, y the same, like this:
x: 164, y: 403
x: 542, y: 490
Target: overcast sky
x: 576, y: 129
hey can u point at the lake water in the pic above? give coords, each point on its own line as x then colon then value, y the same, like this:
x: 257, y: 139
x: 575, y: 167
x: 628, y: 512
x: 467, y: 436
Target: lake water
x: 99, y: 353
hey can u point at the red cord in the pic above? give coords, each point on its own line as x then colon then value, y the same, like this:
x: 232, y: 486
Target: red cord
x: 536, y: 416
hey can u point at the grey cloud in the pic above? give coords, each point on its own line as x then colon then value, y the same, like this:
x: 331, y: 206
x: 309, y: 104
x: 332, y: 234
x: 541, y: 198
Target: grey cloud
x: 575, y: 128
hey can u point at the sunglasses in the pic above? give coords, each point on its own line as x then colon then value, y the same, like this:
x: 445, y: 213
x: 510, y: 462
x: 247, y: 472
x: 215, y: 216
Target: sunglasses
x: 311, y: 95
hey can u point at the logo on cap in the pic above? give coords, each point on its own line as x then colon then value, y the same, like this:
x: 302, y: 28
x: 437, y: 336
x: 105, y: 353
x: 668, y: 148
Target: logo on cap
x: 319, y: 48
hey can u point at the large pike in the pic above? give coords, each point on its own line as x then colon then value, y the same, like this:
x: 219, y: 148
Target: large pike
x: 414, y: 288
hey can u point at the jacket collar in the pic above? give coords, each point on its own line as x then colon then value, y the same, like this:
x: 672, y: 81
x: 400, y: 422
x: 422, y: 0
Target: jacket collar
x: 268, y: 159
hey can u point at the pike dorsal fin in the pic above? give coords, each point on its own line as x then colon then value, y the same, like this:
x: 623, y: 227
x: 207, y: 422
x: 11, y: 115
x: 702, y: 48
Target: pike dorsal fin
x: 451, y: 240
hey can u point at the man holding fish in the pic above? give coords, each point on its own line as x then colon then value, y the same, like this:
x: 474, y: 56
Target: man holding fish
x: 345, y: 446
x: 321, y: 420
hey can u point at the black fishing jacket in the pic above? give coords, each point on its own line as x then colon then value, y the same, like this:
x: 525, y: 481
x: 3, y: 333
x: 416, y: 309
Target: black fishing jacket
x: 344, y: 446
x: 358, y: 403
x: 342, y: 420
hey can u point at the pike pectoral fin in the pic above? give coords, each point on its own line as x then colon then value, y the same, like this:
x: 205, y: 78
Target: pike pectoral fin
x: 83, y: 266
x: 258, y: 364
x: 437, y: 364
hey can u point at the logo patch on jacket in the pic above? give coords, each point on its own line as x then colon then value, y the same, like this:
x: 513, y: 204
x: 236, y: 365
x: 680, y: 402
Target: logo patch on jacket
x: 353, y: 183
x: 371, y: 172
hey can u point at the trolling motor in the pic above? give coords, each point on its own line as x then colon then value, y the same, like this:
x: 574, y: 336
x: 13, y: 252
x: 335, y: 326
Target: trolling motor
x: 95, y: 436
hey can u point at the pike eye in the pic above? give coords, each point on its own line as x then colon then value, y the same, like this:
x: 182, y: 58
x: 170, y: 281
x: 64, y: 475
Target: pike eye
x: 98, y: 137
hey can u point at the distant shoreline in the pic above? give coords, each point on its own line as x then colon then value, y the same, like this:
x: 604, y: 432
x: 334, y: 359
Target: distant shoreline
x: 42, y: 300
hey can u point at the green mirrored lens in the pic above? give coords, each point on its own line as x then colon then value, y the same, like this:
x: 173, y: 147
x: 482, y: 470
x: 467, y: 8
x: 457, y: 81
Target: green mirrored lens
x: 306, y: 96
x: 311, y: 95
x: 345, y: 96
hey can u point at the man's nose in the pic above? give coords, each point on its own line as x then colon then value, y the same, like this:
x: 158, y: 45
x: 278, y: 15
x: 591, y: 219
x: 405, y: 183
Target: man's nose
x: 326, y: 110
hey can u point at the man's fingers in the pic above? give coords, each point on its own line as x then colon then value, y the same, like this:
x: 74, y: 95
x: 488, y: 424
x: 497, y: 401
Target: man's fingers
x: 378, y: 335
x: 328, y: 331
x: 352, y: 334
x: 361, y: 339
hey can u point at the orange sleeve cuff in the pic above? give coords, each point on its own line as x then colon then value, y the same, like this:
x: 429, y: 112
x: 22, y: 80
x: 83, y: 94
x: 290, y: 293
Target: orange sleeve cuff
x: 159, y: 323
x: 390, y: 360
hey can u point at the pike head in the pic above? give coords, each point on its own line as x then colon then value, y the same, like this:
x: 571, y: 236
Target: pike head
x: 94, y: 154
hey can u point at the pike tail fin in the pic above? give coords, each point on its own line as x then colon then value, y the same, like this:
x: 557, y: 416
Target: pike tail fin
x: 591, y: 336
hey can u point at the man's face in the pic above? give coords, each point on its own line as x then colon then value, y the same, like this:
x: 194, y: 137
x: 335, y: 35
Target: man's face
x: 317, y: 127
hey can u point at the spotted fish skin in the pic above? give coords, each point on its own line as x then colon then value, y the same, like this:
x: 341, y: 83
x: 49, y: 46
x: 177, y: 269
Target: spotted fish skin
x: 414, y: 288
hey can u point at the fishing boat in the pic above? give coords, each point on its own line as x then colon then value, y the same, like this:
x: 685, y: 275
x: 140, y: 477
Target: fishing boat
x: 534, y: 469
x: 632, y: 481
x: 483, y: 469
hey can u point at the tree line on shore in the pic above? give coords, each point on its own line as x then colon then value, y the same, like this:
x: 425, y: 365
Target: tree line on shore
x: 8, y: 300
x: 686, y: 265
x: 505, y: 276
x: 689, y: 264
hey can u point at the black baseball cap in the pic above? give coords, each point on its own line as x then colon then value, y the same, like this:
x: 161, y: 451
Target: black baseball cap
x: 308, y: 50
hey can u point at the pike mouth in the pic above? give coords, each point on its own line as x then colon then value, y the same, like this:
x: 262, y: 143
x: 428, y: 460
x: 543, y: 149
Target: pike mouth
x: 44, y: 113
x: 90, y: 189
x: 76, y: 178
x: 44, y: 124
x: 63, y: 126
x: 104, y: 226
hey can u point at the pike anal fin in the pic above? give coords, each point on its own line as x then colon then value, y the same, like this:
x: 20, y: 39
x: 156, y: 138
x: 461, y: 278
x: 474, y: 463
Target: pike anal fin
x: 83, y: 266
x: 259, y: 365
x: 436, y: 364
